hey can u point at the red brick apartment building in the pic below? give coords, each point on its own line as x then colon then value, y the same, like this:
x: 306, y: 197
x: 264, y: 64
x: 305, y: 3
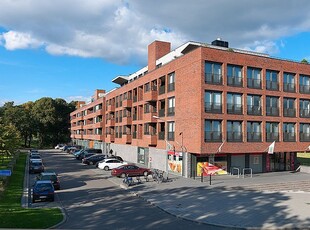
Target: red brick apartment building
x: 202, y: 108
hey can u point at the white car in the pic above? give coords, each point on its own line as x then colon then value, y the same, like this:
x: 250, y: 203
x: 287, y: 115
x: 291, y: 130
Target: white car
x: 59, y: 146
x: 108, y: 164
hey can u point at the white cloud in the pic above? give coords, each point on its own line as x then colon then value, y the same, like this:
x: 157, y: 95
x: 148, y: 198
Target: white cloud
x: 120, y: 30
x: 78, y: 98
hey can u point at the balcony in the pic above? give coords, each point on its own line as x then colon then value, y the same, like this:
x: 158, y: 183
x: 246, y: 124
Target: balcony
x: 110, y: 138
x: 212, y: 78
x: 304, y: 137
x: 127, y: 103
x: 93, y: 137
x: 254, y: 137
x: 304, y: 89
x: 234, y: 109
x: 111, y: 108
x: 151, y: 139
x: 289, y: 112
x: 272, y: 85
x: 304, y: 113
x: 254, y: 110
x: 289, y: 137
x: 150, y: 95
x: 234, y: 81
x: 272, y: 111
x: 254, y: 83
x: 213, y: 107
x: 127, y: 120
x: 126, y: 138
x: 270, y: 137
x: 149, y: 117
x: 111, y: 122
x: 213, y: 136
x: 234, y: 137
x: 289, y: 87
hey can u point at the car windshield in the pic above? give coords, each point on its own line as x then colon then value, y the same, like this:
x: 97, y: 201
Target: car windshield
x: 44, y: 187
x: 36, y: 164
x: 35, y: 157
x: 49, y: 177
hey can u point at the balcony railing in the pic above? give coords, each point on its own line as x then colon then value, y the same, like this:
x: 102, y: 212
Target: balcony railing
x: 289, y: 87
x: 254, y: 110
x: 272, y: 136
x: 161, y: 113
x: 234, y: 109
x: 304, y: 113
x: 234, y: 136
x: 213, y: 136
x: 289, y: 137
x: 272, y: 111
x: 289, y: 112
x: 254, y: 83
x: 162, y: 89
x: 213, y: 107
x: 272, y: 85
x: 304, y: 137
x: 304, y: 89
x: 254, y: 137
x: 212, y: 78
x: 234, y: 81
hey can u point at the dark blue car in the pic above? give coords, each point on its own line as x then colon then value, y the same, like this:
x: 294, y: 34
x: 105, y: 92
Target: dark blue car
x: 43, y: 190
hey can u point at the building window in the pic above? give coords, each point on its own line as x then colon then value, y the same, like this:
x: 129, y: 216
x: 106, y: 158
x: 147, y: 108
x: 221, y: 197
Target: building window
x: 289, y: 82
x: 272, y: 131
x: 213, y: 131
x: 289, y: 132
x: 254, y: 78
x: 147, y: 87
x: 272, y: 106
x: 254, y: 131
x: 234, y: 103
x: 289, y: 107
x: 304, y: 108
x: 171, y: 82
x: 213, y: 102
x: 171, y: 106
x: 272, y: 82
x: 213, y: 73
x: 254, y: 105
x: 234, y: 131
x: 234, y: 75
x: 304, y: 133
x: 147, y: 129
x: 304, y: 84
x: 171, y: 128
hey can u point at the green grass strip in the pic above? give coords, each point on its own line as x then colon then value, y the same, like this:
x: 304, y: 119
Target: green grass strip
x: 12, y: 215
x: 303, y: 158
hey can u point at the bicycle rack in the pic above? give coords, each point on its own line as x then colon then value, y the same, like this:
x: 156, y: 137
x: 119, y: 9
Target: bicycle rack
x: 232, y: 169
x: 247, y: 169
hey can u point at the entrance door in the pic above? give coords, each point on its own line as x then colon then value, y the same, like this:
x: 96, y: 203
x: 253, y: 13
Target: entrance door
x: 279, y: 160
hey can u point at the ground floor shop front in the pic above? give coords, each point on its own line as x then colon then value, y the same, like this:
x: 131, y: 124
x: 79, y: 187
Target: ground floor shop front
x: 217, y: 164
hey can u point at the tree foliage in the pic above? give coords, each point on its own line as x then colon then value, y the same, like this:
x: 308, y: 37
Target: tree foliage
x: 46, y: 119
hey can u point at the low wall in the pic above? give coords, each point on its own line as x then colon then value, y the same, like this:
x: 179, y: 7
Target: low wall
x: 305, y: 169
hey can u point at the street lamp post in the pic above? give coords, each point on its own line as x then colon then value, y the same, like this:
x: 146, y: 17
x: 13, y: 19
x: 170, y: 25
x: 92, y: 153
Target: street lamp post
x: 167, y: 144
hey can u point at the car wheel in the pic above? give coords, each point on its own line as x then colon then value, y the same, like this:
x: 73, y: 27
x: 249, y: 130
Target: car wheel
x: 97, y: 165
x: 123, y: 175
x: 106, y: 168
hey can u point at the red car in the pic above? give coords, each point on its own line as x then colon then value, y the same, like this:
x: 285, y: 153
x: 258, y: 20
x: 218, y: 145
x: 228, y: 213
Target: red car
x: 130, y: 170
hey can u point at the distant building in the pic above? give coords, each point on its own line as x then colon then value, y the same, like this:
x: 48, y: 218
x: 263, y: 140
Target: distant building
x: 209, y: 108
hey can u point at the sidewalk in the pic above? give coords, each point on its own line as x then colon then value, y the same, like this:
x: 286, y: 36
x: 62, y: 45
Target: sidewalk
x: 266, y: 201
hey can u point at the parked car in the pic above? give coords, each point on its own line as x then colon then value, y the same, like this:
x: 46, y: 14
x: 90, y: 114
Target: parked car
x: 108, y: 164
x: 34, y: 157
x: 43, y: 190
x: 34, y: 154
x: 33, y: 151
x: 130, y: 170
x: 36, y: 166
x: 92, y: 160
x: 115, y: 157
x: 52, y: 176
x: 59, y: 146
x: 88, y: 152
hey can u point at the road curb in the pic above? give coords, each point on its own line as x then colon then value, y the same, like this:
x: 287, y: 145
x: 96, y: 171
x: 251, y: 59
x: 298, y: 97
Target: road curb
x: 25, y: 198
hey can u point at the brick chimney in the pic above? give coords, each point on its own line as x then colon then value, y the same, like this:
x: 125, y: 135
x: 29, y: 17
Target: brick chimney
x: 156, y: 50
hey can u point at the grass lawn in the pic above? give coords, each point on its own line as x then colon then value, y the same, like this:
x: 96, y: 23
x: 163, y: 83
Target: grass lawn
x: 12, y: 215
x: 303, y: 158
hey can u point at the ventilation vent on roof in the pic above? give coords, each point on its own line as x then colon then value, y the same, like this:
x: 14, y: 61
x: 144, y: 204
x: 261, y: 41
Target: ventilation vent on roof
x: 219, y: 42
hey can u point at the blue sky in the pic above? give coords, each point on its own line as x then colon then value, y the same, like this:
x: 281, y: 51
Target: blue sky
x: 48, y: 51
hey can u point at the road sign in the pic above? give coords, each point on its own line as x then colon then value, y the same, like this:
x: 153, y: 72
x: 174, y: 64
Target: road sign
x: 5, y: 172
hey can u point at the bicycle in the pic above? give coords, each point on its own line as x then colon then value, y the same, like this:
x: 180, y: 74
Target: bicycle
x: 158, y: 175
x: 128, y: 181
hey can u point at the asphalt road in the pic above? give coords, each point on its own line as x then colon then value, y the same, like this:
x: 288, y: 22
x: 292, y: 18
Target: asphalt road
x: 92, y: 202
